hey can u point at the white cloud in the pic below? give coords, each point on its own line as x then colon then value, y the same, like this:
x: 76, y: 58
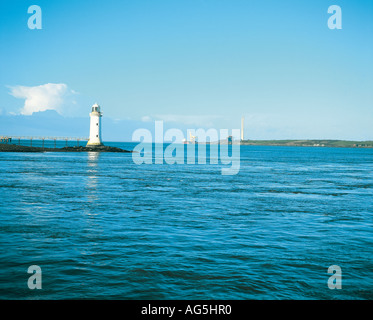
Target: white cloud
x: 48, y: 96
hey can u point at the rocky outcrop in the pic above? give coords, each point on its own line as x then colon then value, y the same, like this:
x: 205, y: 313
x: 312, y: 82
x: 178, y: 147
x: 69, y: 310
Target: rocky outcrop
x: 93, y: 149
x: 18, y: 148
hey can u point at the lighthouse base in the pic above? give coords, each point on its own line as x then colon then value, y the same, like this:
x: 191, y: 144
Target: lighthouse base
x: 94, y: 144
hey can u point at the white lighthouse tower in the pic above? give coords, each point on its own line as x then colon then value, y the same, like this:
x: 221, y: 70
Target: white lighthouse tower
x: 242, y: 127
x: 95, y: 128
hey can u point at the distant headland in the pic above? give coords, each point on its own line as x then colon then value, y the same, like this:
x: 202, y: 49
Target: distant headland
x: 310, y: 143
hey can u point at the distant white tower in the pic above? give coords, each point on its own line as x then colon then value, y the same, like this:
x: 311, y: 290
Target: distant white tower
x: 242, y: 127
x: 95, y: 128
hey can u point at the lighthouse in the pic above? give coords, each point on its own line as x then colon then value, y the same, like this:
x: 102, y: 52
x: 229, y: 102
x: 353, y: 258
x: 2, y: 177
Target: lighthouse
x: 95, y: 128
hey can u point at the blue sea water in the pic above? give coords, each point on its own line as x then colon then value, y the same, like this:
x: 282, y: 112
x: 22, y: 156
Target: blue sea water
x: 101, y: 227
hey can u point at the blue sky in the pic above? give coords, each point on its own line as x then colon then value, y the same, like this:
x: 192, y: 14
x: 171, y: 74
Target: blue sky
x: 196, y: 63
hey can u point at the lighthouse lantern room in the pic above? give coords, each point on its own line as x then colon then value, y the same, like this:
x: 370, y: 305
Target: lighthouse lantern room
x: 95, y: 127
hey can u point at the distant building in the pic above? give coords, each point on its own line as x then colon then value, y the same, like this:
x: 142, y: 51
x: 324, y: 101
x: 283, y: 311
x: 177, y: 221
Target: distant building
x: 242, y: 128
x: 95, y: 127
x: 193, y: 139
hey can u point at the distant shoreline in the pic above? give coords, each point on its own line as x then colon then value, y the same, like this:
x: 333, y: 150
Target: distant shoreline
x: 278, y: 143
x: 310, y: 143
x: 20, y: 148
x: 297, y: 143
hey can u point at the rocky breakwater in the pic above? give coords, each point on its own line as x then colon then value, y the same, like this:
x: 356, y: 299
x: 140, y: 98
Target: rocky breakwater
x: 93, y: 149
x: 19, y: 148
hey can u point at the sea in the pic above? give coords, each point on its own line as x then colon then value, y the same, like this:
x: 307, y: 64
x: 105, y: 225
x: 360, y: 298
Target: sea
x: 295, y: 223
